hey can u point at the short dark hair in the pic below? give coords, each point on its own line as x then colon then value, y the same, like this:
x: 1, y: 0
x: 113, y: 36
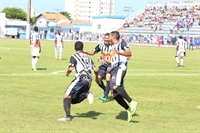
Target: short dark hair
x: 107, y: 34
x: 35, y: 28
x: 180, y: 37
x: 78, y: 45
x: 116, y: 34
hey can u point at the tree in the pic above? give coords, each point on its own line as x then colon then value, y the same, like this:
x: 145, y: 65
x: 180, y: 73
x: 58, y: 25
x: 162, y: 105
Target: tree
x: 33, y: 20
x: 67, y: 15
x: 15, y: 13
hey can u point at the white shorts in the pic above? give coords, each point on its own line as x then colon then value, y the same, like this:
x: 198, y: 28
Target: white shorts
x: 58, y: 48
x: 180, y: 53
x: 34, y: 51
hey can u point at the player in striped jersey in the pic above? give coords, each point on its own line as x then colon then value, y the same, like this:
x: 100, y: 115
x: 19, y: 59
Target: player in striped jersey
x: 180, y: 49
x: 119, y: 56
x: 35, y: 47
x: 59, y: 45
x: 78, y: 90
x: 105, y: 50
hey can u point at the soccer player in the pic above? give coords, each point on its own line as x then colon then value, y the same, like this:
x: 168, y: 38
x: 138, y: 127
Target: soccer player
x: 78, y: 90
x: 119, y: 56
x: 59, y: 45
x: 35, y: 47
x: 102, y: 70
x: 180, y: 49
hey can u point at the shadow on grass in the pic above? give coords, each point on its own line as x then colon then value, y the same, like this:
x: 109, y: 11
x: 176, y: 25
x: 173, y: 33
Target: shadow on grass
x: 123, y: 116
x: 89, y: 114
x: 41, y: 68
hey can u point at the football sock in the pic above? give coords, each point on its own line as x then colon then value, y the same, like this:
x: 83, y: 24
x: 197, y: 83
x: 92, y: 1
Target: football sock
x: 36, y: 60
x: 56, y: 54
x: 67, y: 106
x: 123, y: 93
x: 177, y: 60
x: 107, y: 88
x: 121, y: 101
x: 103, y: 87
x: 60, y: 54
x: 181, y: 62
x: 33, y: 62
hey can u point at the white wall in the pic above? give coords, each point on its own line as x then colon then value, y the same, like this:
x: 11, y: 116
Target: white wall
x: 16, y: 22
x: 107, y: 24
x: 42, y: 21
x: 3, y: 20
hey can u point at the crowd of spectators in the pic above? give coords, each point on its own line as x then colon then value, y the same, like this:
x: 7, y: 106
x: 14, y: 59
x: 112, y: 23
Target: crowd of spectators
x: 180, y: 17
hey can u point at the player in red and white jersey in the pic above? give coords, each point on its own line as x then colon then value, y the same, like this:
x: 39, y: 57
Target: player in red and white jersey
x: 58, y: 45
x: 180, y: 49
x: 35, y: 47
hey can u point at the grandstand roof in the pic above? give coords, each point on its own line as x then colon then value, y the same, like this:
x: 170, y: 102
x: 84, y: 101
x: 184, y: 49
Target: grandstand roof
x: 52, y: 16
x: 109, y: 17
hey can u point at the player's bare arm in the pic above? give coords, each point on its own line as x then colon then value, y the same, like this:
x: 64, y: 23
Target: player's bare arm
x: 126, y: 53
x: 70, y: 69
x: 89, y: 53
x: 40, y: 49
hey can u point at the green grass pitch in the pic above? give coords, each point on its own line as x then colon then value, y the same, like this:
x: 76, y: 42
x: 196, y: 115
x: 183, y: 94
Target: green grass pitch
x: 31, y: 102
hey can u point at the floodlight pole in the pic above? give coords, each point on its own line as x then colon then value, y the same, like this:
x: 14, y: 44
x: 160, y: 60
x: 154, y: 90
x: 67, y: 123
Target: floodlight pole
x: 128, y: 9
x: 28, y: 20
x: 57, y: 17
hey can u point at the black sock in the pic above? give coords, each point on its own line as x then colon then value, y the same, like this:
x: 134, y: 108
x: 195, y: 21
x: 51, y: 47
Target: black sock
x: 103, y: 87
x: 121, y: 101
x: 107, y: 88
x: 123, y: 93
x: 67, y: 106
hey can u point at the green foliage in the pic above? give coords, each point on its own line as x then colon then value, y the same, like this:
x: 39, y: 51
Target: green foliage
x: 66, y: 14
x: 33, y: 20
x: 31, y: 102
x: 15, y: 13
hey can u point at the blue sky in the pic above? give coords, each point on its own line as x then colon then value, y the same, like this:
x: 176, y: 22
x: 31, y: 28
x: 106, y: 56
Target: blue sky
x: 41, y: 6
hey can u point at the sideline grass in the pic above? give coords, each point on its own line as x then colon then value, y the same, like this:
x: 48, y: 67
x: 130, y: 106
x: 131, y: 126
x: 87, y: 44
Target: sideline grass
x: 168, y: 97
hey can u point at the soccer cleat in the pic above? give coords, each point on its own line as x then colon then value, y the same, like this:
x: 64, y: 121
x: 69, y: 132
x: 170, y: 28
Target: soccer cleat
x: 129, y: 115
x: 104, y: 98
x: 178, y: 65
x: 133, y: 106
x: 33, y: 69
x: 67, y: 119
x: 90, y: 97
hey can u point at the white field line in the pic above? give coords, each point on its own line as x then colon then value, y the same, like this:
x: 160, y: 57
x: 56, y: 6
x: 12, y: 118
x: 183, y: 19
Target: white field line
x: 148, y: 74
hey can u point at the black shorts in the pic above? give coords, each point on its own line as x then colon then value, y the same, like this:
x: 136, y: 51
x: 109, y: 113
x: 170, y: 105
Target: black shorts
x: 103, y: 70
x: 79, y: 87
x: 117, y: 77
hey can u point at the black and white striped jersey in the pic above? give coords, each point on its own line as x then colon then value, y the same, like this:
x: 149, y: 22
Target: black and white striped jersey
x: 81, y: 62
x: 116, y: 59
x: 105, y: 50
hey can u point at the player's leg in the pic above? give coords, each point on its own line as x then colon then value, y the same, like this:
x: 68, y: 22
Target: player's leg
x: 181, y: 58
x: 56, y: 52
x: 101, y: 76
x: 107, y: 84
x: 60, y: 52
x: 117, y: 78
x: 176, y: 58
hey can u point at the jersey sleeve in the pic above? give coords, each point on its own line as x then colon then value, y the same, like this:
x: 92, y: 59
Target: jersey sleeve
x: 97, y: 49
x: 72, y: 62
x: 124, y: 45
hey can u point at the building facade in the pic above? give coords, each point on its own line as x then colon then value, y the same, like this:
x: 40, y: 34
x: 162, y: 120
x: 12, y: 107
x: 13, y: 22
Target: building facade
x: 85, y: 9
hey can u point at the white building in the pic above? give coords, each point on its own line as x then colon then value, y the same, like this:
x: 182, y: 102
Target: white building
x: 85, y: 9
x: 48, y: 19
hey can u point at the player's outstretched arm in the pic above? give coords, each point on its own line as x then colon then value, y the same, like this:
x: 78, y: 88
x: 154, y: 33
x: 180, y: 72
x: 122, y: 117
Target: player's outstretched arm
x: 70, y: 69
x: 126, y: 53
x: 89, y: 53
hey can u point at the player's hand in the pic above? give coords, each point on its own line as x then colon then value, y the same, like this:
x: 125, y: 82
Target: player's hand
x: 116, y: 51
x: 101, y: 58
x: 40, y: 50
x: 67, y: 74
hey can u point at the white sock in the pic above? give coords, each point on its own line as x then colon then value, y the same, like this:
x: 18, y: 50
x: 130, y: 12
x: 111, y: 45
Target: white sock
x: 177, y: 60
x: 60, y: 54
x: 36, y: 59
x: 56, y: 54
x: 33, y: 63
x: 181, y: 62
